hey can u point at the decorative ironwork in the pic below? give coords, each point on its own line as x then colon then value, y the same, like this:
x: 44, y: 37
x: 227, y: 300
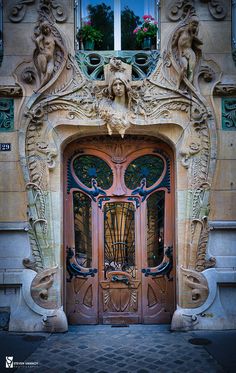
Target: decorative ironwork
x: 123, y: 278
x: 74, y: 268
x: 143, y: 62
x: 6, y: 114
x: 164, y: 268
x: 155, y: 228
x: 136, y: 200
x: 102, y: 200
x: 119, y: 237
x: 94, y: 191
x: 229, y: 114
x: 148, y: 167
x: 87, y: 167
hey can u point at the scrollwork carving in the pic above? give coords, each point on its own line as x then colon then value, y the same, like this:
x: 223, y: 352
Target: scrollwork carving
x: 28, y: 75
x: 40, y: 288
x: 179, y: 9
x: 54, y: 9
x: 217, y: 9
x: 17, y: 11
x: 195, y: 288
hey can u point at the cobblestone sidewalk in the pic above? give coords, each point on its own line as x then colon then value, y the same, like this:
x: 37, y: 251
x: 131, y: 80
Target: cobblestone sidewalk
x: 106, y: 349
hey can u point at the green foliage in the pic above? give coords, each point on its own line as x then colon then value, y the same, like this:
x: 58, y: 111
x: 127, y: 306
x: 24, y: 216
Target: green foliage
x: 90, y: 33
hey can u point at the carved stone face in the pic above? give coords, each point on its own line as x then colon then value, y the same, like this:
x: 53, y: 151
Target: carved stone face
x: 193, y: 26
x: 118, y: 88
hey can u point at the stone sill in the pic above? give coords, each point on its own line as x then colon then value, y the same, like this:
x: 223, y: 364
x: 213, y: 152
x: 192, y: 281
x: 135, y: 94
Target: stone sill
x: 222, y: 224
x: 14, y: 226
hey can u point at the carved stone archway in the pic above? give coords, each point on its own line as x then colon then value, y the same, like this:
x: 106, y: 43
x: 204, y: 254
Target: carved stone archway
x: 60, y: 104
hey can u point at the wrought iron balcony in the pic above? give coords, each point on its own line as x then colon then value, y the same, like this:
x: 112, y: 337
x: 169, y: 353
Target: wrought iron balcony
x: 92, y: 62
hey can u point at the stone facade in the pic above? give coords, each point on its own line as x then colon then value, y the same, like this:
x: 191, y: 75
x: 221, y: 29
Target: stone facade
x: 187, y: 102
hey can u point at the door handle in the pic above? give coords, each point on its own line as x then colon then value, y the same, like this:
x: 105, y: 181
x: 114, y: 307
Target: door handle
x: 164, y: 268
x: 74, y: 269
x: 122, y: 279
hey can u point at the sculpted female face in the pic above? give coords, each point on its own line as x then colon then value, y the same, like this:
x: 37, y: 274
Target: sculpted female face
x: 118, y: 88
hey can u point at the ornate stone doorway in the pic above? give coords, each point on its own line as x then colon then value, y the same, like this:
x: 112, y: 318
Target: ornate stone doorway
x: 119, y: 231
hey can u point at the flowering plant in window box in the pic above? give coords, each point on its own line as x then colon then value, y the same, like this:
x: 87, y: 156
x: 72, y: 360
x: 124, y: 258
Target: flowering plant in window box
x: 147, y: 32
x: 89, y: 36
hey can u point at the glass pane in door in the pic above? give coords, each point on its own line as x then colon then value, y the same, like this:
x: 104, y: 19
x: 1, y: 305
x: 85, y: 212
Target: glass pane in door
x: 83, y: 229
x: 119, y: 237
x: 155, y: 228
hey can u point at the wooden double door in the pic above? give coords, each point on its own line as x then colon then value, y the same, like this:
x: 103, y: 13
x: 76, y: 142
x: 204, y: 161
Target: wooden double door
x: 119, y: 231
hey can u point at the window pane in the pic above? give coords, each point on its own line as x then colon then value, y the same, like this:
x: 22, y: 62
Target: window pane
x: 83, y: 229
x: 149, y: 167
x: 101, y: 16
x: 131, y: 17
x: 155, y: 228
x: 88, y: 167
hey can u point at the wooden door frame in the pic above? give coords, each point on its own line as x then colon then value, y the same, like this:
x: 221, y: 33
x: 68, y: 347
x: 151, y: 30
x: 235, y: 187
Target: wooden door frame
x: 146, y: 148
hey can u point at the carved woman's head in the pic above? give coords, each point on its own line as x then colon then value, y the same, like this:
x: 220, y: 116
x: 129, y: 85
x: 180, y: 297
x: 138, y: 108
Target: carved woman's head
x: 118, y: 86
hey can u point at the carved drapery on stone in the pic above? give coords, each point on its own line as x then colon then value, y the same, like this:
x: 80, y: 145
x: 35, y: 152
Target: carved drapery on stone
x: 167, y: 97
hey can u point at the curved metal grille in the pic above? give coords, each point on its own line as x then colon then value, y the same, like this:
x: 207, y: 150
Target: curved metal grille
x: 119, y: 237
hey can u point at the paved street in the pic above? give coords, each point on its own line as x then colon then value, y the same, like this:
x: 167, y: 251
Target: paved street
x: 106, y: 349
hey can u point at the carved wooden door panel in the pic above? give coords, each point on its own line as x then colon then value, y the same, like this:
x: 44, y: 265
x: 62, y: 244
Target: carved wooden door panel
x: 119, y: 231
